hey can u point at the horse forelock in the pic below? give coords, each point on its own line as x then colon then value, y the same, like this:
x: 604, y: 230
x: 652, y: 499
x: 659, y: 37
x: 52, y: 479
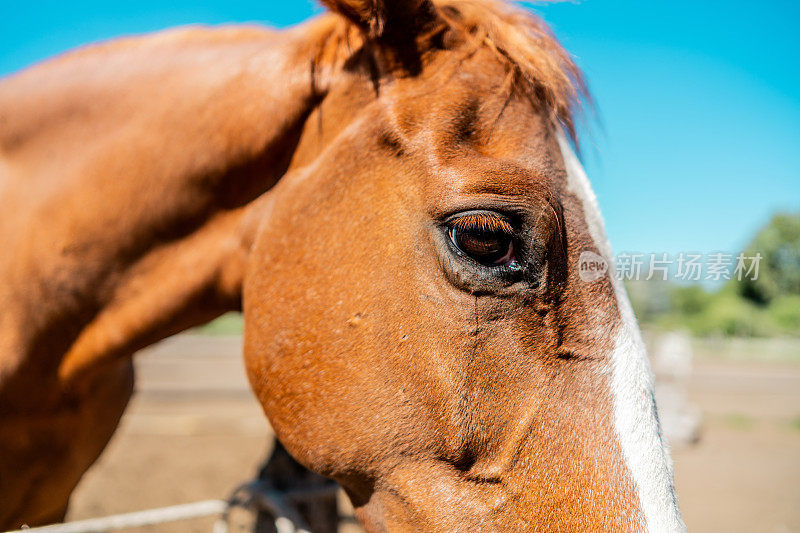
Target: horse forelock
x: 542, y: 69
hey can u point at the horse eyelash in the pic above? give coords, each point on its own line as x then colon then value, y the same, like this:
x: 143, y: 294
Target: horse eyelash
x: 483, y: 222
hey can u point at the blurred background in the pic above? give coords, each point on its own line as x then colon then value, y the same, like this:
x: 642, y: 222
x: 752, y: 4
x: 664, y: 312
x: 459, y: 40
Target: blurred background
x: 693, y: 149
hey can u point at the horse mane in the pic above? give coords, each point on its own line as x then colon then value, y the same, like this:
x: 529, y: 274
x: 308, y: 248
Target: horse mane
x: 542, y: 70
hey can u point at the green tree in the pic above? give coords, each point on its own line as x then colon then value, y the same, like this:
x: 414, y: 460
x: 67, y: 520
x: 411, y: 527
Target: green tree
x: 690, y: 300
x: 779, y: 271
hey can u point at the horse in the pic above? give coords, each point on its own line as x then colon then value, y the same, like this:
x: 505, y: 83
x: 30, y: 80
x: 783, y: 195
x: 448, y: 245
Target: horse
x: 390, y: 193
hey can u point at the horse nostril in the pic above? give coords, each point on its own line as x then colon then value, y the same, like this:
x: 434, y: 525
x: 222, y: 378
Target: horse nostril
x: 571, y: 355
x: 465, y: 462
x: 467, y: 467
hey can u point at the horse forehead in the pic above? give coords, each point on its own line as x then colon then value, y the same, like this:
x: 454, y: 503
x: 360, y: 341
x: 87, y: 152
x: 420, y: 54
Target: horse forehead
x: 490, y: 140
x: 461, y: 106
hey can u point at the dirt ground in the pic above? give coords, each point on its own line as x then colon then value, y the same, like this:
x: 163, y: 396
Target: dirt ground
x: 193, y: 431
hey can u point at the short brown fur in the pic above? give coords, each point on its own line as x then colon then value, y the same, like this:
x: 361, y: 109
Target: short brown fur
x: 150, y: 184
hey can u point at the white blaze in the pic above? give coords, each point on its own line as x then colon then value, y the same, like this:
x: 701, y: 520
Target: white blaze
x: 635, y: 418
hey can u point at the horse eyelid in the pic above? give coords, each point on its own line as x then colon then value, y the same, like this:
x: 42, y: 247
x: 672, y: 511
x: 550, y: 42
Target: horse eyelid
x: 488, y: 222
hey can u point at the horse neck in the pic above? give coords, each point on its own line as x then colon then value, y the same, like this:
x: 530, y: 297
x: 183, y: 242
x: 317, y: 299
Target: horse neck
x: 139, y: 164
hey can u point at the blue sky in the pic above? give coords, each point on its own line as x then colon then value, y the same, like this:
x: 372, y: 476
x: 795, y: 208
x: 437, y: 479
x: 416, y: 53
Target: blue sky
x: 699, y: 102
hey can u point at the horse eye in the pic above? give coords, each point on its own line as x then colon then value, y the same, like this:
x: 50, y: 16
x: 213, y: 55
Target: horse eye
x: 487, y: 238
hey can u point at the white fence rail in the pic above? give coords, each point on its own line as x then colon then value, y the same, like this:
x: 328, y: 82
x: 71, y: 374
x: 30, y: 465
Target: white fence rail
x: 279, y: 505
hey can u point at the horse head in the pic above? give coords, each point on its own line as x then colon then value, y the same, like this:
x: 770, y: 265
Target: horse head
x: 417, y: 326
x: 391, y: 192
